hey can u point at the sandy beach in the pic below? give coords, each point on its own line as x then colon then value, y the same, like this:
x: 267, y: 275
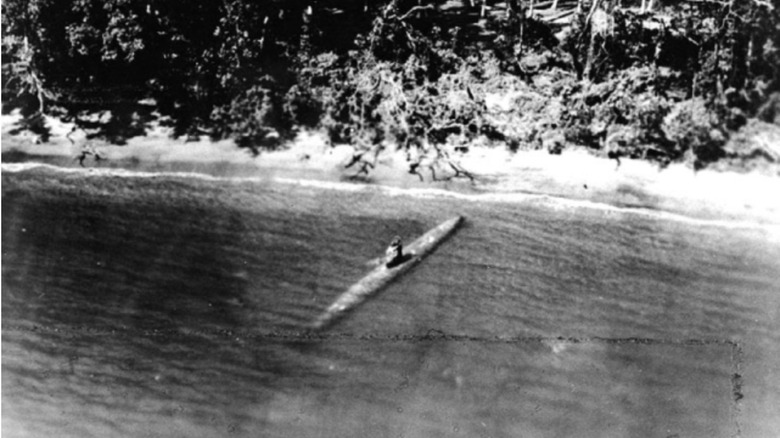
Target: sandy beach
x: 576, y: 174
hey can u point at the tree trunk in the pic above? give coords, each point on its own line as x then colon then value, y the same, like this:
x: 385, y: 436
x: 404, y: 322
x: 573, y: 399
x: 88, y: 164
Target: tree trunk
x: 593, y: 32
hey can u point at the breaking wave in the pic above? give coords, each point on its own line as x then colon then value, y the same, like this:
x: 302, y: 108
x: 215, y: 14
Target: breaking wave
x: 541, y: 199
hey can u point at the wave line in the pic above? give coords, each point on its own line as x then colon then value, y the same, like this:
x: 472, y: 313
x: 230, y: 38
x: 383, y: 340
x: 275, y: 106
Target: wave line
x: 419, y: 193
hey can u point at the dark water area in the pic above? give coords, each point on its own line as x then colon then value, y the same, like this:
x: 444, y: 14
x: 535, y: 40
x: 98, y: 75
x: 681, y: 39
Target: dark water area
x: 135, y: 305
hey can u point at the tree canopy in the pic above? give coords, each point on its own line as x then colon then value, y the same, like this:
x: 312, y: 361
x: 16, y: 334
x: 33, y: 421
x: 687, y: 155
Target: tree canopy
x: 412, y: 71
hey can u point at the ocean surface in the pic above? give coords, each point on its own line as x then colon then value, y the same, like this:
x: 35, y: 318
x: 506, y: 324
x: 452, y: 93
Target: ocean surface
x: 172, y: 304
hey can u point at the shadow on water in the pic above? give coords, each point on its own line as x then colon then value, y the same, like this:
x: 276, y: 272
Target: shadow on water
x: 93, y: 262
x: 149, y: 284
x: 112, y: 300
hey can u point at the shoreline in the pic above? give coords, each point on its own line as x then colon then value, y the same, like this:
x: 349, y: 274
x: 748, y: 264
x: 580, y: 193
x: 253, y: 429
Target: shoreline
x: 576, y: 174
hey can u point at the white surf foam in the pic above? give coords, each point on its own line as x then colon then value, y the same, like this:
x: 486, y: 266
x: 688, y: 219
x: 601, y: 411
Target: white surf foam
x: 518, y: 198
x: 419, y: 193
x: 120, y: 173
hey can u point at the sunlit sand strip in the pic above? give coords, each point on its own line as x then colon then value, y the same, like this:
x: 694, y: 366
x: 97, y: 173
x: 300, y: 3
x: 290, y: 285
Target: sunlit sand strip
x: 421, y: 193
x: 516, y: 198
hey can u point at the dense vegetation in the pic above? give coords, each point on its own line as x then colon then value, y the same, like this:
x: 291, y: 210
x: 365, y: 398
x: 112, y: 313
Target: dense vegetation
x: 430, y: 77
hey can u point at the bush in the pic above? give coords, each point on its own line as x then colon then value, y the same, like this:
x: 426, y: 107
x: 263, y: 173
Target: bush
x: 692, y: 128
x: 252, y: 118
x: 21, y: 86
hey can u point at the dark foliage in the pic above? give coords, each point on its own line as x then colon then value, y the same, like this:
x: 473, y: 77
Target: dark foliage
x: 663, y: 85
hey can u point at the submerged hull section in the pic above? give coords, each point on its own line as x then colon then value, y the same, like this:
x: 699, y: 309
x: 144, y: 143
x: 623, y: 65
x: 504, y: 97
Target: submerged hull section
x: 383, y: 275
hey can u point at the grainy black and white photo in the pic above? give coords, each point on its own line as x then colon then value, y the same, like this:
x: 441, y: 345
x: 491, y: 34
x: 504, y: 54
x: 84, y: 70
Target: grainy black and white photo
x: 390, y: 218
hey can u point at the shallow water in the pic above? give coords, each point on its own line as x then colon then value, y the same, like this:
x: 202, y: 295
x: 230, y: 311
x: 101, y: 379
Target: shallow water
x: 171, y: 304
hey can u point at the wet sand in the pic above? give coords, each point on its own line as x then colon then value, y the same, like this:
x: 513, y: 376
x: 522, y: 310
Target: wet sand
x: 575, y: 174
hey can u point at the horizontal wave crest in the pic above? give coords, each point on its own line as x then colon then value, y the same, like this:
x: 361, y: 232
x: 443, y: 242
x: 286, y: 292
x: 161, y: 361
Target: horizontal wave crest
x: 550, y: 201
